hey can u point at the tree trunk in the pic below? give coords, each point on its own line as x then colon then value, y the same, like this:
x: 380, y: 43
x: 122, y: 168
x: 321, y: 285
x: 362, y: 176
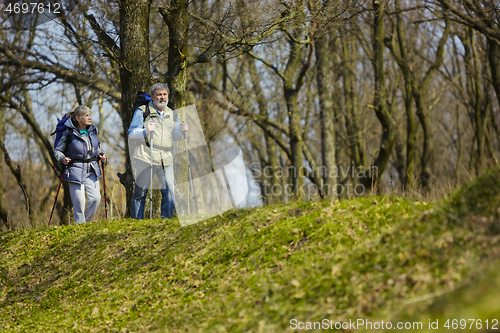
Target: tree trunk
x: 272, y: 157
x: 135, y: 73
x: 475, y: 96
x: 495, y: 126
x: 494, y: 59
x: 478, y: 105
x: 379, y: 101
x: 176, y: 19
x: 4, y: 223
x: 291, y: 91
x: 400, y: 158
x: 354, y: 134
x: 326, y: 116
x: 410, y: 117
x: 427, y: 159
x: 296, y: 143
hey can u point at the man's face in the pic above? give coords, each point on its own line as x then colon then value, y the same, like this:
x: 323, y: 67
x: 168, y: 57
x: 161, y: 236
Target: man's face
x: 160, y: 98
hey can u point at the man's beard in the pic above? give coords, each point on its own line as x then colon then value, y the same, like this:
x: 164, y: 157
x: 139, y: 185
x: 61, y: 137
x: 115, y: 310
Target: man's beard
x: 161, y: 104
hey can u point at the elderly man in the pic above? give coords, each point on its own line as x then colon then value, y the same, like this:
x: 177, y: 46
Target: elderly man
x: 162, y: 124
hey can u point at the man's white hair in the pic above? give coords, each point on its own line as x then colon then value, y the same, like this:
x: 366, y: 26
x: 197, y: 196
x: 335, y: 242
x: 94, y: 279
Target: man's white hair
x: 159, y: 86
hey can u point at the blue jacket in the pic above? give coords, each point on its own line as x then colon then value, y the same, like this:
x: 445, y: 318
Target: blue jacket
x: 80, y: 147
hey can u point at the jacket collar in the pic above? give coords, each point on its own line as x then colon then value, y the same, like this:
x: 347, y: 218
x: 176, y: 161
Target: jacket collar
x: 153, y: 112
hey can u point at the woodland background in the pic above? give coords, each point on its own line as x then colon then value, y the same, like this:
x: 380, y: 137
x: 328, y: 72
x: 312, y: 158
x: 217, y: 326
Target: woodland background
x: 411, y: 88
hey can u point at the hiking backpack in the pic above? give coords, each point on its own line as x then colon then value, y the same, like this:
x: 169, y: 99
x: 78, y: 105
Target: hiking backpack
x: 60, y: 128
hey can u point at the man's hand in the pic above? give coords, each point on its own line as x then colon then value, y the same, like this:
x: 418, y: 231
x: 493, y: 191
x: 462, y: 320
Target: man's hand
x: 183, y: 126
x: 103, y: 158
x: 66, y: 161
x: 150, y: 128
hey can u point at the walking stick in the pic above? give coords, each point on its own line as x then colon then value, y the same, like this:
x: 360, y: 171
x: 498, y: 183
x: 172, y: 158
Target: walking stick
x: 189, y: 172
x: 104, y: 183
x: 58, y: 188
x: 151, y: 184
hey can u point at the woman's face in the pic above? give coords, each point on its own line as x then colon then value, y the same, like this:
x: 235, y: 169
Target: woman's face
x: 85, y: 120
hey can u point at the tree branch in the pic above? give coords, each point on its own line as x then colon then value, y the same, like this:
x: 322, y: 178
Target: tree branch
x: 104, y: 38
x: 60, y: 72
x: 268, y: 64
x: 221, y: 41
x: 470, y: 21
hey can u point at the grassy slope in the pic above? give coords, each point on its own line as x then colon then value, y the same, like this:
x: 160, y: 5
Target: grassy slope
x: 256, y: 270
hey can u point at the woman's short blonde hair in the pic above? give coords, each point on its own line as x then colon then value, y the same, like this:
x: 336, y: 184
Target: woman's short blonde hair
x: 79, y: 111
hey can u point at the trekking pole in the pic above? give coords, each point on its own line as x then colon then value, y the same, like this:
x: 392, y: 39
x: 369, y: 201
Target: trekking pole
x: 151, y: 184
x: 104, y: 183
x: 57, y: 194
x: 189, y: 172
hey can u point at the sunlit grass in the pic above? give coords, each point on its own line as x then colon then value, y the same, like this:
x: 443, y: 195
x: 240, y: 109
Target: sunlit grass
x: 252, y: 270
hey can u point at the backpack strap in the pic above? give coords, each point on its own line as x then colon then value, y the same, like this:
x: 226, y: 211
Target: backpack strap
x: 69, y: 138
x: 145, y: 113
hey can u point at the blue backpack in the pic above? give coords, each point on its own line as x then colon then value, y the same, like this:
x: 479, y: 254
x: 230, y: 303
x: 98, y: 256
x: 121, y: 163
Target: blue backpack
x: 60, y: 128
x: 141, y: 99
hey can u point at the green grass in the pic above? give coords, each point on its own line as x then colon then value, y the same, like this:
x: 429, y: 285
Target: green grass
x: 378, y: 258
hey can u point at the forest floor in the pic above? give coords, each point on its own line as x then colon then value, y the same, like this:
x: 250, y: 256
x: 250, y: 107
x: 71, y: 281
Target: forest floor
x: 302, y: 266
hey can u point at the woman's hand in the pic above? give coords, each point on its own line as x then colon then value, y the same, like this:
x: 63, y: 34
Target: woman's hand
x: 66, y: 161
x: 103, y: 158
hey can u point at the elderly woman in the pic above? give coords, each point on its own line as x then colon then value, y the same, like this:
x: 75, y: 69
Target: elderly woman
x: 79, y: 150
